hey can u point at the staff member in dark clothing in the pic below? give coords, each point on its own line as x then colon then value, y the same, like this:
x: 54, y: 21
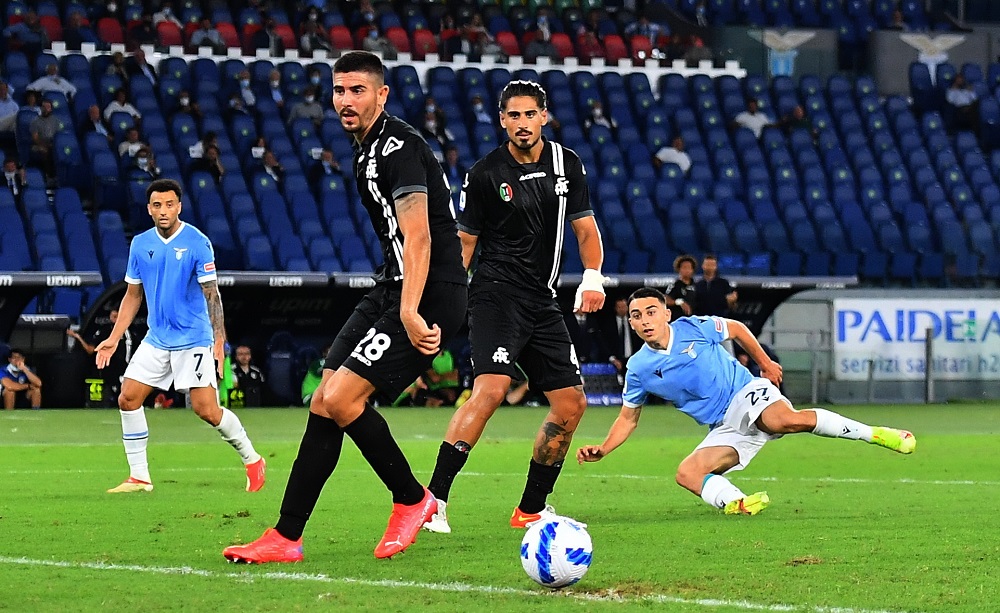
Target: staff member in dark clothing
x: 682, y: 297
x: 515, y: 203
x: 112, y: 373
x: 248, y: 379
x: 418, y: 304
x: 716, y: 296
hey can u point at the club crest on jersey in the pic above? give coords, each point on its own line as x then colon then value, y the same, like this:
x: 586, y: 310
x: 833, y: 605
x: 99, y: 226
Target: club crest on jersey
x: 506, y: 192
x: 393, y: 144
x: 178, y: 252
x: 371, y: 172
x: 562, y: 186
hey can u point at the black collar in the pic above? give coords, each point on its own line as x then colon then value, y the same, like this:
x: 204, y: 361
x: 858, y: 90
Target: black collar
x: 546, y: 153
x: 376, y: 130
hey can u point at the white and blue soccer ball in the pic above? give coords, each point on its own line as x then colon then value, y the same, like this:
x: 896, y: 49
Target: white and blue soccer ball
x: 556, y: 551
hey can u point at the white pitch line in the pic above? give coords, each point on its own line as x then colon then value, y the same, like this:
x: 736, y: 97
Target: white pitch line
x: 197, y: 469
x: 605, y: 596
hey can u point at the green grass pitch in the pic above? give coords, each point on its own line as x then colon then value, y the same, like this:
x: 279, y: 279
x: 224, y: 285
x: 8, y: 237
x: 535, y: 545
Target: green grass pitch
x: 852, y: 528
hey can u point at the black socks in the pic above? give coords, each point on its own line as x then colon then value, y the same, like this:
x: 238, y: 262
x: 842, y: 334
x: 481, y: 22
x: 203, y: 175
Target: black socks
x: 450, y: 460
x: 372, y: 436
x: 541, y: 481
x: 318, y: 455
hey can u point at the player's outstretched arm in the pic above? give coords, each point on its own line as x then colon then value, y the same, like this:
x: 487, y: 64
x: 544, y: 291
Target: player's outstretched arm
x: 769, y: 369
x: 414, y: 225
x: 590, y: 294
x: 127, y: 311
x: 217, y: 316
x: 624, y: 426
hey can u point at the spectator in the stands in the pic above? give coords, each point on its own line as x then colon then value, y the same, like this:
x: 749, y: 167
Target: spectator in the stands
x: 588, y: 46
x: 644, y: 27
x: 137, y: 65
x: 245, y: 91
x: 43, y: 131
x: 598, y: 118
x: 144, y: 166
x: 325, y: 166
x: 209, y: 162
x: 479, y: 109
x: 433, y: 129
x: 377, y: 43
x: 307, y: 108
x: 453, y: 170
x: 898, y: 22
x: 316, y: 80
x: 312, y: 36
x: 187, y: 106
x: 236, y: 107
x: 964, y: 102
x: 32, y: 102
x: 8, y: 109
x: 27, y: 36
x: 540, y: 44
x: 267, y: 38
x: 450, y: 37
x: 99, y: 10
x: 131, y: 145
x: 798, y: 120
x: 117, y: 66
x: 274, y: 169
x: 96, y: 123
x: 274, y: 88
x: 477, y: 40
x: 674, y: 154
x: 143, y: 33
x: 14, y: 177
x: 76, y: 32
x: 752, y: 118
x: 210, y: 139
x: 52, y: 82
x: 208, y: 36
x: 121, y: 105
x: 166, y: 13
x: 364, y: 15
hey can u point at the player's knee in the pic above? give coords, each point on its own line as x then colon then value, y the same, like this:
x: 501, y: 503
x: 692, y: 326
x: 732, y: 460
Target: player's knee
x: 689, y: 476
x: 490, y: 394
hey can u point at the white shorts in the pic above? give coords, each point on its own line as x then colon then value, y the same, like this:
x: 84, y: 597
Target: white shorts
x: 186, y: 368
x: 738, y: 428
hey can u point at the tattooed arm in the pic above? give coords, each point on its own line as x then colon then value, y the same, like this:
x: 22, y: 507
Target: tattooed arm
x: 215, y: 314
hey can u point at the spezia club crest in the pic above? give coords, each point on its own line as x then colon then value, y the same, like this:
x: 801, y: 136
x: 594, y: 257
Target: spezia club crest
x: 506, y: 193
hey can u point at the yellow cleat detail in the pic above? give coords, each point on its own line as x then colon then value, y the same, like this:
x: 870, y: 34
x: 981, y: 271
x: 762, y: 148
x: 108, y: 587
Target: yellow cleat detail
x: 748, y: 505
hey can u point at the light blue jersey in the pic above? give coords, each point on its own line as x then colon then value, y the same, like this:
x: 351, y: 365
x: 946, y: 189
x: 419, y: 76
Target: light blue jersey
x: 171, y: 271
x: 694, y: 372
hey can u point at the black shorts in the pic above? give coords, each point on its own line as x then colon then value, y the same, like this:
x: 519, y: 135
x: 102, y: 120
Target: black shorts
x: 373, y: 343
x: 506, y: 329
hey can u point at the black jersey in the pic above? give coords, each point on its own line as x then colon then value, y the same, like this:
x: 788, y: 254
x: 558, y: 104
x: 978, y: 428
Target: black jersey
x: 394, y: 160
x: 519, y: 212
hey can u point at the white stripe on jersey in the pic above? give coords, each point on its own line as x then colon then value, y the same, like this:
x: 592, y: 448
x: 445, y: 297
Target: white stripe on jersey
x: 560, y: 171
x: 392, y: 222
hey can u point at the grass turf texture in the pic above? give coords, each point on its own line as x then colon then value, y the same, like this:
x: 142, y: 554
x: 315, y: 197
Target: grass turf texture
x: 850, y: 526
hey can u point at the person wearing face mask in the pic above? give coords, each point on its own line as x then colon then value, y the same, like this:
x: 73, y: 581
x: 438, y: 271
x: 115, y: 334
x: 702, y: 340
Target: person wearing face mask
x: 187, y: 106
x: 316, y: 80
x: 480, y: 111
x: 307, y: 108
x: 166, y: 13
x: 210, y: 163
x: 312, y: 36
x: 245, y: 93
x: 598, y: 118
x: 326, y: 166
x: 235, y: 107
x: 431, y: 106
x: 432, y: 129
x: 145, y: 168
x: 274, y: 88
x: 364, y: 15
x: 376, y: 43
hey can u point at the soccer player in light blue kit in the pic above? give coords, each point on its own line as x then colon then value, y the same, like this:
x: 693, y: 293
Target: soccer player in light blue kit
x: 684, y: 363
x: 174, y: 265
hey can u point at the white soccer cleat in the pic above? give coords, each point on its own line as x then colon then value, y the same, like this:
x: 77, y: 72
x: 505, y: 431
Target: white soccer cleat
x: 439, y: 521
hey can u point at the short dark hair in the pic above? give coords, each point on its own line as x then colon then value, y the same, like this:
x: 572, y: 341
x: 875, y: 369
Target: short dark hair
x: 523, y: 88
x: 709, y: 256
x: 648, y: 292
x: 361, y: 61
x: 684, y: 258
x: 164, y: 185
x: 14, y: 350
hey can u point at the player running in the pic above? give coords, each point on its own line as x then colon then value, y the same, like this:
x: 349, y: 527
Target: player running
x: 174, y: 265
x: 684, y: 363
x: 396, y: 330
x: 517, y: 201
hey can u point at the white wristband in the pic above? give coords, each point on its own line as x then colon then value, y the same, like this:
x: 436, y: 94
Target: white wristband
x: 593, y: 281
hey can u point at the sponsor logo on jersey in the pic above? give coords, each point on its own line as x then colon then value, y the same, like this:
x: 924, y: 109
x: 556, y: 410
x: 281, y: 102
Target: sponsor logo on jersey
x: 391, y: 145
x: 534, y: 175
x: 506, y: 192
x: 210, y: 267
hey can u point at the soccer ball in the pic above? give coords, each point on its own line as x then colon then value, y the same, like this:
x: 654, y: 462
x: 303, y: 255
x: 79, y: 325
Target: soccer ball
x: 556, y: 551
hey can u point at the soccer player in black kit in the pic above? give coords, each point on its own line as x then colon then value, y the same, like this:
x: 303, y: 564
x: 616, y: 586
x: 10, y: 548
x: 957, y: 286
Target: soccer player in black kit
x: 418, y: 303
x: 516, y: 203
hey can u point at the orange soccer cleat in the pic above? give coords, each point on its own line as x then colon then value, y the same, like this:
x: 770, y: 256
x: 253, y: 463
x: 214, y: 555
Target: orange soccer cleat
x: 271, y: 547
x: 404, y: 524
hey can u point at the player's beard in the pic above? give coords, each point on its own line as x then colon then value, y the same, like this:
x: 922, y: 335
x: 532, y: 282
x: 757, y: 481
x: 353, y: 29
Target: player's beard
x: 525, y: 145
